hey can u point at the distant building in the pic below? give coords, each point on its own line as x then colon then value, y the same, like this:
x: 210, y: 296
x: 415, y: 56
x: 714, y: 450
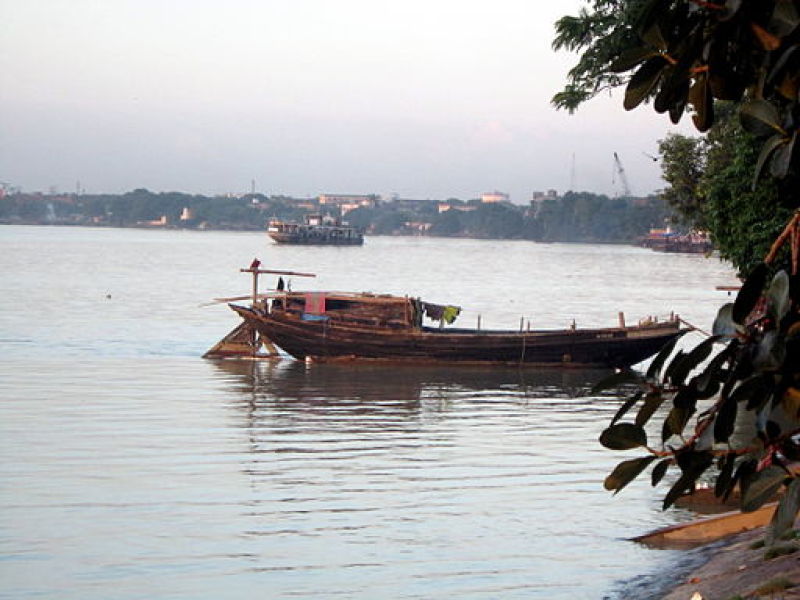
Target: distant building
x: 346, y: 208
x: 494, y: 197
x: 445, y: 206
x: 187, y: 214
x: 420, y: 227
x: 162, y: 222
x: 341, y: 199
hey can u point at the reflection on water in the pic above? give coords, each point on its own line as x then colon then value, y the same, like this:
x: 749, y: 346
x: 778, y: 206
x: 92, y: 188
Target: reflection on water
x: 369, y: 383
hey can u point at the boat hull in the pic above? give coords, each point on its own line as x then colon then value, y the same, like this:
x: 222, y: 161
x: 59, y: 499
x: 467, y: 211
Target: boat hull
x: 325, y: 340
x: 319, y: 240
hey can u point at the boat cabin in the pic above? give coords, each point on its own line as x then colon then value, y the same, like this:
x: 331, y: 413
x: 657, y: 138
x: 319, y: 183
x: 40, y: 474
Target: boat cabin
x: 382, y: 311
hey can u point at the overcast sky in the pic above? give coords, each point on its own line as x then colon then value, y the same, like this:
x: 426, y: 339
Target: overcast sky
x: 422, y: 98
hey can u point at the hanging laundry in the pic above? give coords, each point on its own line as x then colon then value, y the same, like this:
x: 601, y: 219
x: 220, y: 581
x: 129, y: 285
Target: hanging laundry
x: 315, y: 303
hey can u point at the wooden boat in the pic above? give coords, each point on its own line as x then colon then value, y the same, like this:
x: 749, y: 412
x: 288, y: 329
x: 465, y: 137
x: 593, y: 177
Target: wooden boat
x: 665, y: 240
x: 708, y: 529
x: 314, y: 231
x: 328, y: 326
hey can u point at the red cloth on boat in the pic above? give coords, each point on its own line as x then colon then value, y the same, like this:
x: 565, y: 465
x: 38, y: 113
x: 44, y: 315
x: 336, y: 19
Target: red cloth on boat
x: 315, y: 303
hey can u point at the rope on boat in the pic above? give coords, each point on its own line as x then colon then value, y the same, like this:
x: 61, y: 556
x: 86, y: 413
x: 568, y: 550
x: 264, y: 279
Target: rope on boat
x: 694, y: 327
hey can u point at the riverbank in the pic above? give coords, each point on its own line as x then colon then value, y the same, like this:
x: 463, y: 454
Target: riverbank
x: 738, y: 569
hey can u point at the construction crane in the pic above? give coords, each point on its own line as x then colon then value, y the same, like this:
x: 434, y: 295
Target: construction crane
x: 619, y: 171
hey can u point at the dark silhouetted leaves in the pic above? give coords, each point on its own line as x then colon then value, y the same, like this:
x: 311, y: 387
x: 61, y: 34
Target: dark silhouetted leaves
x: 754, y: 390
x: 759, y: 487
x: 659, y: 471
x: 778, y: 301
x: 643, y: 81
x: 742, y: 473
x: 616, y: 380
x: 749, y: 294
x: 724, y: 324
x: 770, y: 146
x: 771, y: 352
x: 724, y: 482
x: 623, y: 436
x: 676, y: 421
x: 651, y: 404
x: 680, y: 368
x: 630, y: 58
x: 692, y: 465
x: 726, y: 418
x: 654, y: 370
x: 760, y: 118
x: 627, y: 471
x: 786, y: 513
x: 782, y: 159
x: 626, y: 406
x: 702, y: 100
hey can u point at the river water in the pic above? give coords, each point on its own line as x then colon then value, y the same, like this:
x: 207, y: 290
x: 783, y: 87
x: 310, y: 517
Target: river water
x: 132, y: 468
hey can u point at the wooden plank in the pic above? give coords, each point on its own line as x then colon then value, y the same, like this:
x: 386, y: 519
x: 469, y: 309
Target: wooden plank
x: 274, y: 272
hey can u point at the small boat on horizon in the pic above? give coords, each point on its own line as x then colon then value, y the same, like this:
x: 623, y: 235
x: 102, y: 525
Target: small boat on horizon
x: 316, y: 230
x: 337, y: 326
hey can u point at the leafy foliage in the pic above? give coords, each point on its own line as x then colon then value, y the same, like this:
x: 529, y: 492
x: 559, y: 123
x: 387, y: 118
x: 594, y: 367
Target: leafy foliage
x: 710, y: 185
x: 734, y: 400
x: 687, y: 55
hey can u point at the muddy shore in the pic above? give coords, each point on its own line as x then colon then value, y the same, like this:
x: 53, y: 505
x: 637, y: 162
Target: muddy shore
x: 737, y: 569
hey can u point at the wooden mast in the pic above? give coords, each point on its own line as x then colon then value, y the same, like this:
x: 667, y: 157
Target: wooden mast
x: 244, y: 342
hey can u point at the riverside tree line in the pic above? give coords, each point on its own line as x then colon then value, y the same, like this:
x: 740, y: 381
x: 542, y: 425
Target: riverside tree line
x: 573, y: 217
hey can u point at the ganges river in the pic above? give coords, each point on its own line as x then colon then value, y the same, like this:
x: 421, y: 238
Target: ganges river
x: 131, y: 468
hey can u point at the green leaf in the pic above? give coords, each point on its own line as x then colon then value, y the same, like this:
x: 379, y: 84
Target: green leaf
x: 786, y: 513
x: 623, y: 436
x: 626, y: 406
x: 778, y: 300
x: 785, y: 18
x: 782, y: 62
x: 772, y: 144
x: 771, y: 352
x: 653, y: 36
x: 782, y: 159
x: 651, y: 404
x: 730, y: 10
x: 723, y: 324
x: 749, y: 294
x: 702, y: 100
x: 630, y: 58
x: 676, y: 421
x: 761, y: 486
x: 643, y: 81
x: 616, y: 380
x: 760, y: 118
x: 626, y: 471
x: 659, y: 471
x: 755, y: 390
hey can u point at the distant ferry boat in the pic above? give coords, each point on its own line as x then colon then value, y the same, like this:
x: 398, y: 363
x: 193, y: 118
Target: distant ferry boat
x: 314, y: 231
x: 665, y: 240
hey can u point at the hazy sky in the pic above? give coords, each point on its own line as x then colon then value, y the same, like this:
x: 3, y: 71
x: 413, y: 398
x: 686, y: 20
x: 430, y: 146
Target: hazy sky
x: 426, y: 99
